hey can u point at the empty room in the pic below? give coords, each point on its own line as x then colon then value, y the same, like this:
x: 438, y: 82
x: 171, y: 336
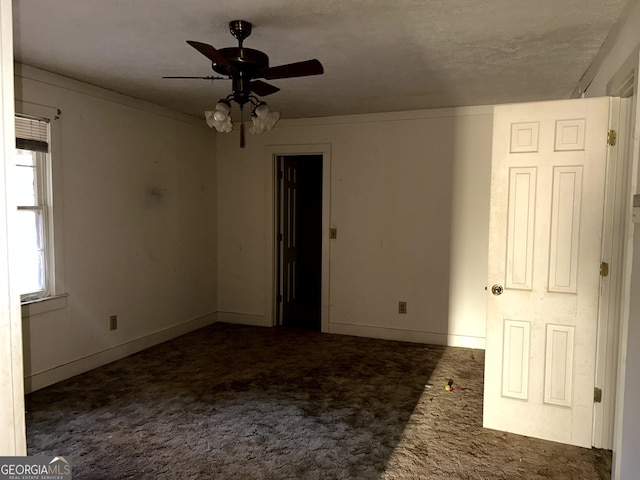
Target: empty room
x: 353, y: 239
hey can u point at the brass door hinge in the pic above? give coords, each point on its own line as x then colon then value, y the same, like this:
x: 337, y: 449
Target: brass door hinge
x: 604, y: 269
x: 597, y: 395
x: 612, y: 137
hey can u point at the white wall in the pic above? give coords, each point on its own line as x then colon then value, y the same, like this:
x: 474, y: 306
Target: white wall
x: 626, y: 461
x: 137, y: 187
x: 409, y: 195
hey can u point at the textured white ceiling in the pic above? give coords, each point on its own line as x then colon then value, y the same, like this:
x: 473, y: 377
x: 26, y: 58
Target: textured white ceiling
x: 378, y: 55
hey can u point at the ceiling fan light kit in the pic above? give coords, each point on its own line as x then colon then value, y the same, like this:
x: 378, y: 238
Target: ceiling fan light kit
x: 244, y: 67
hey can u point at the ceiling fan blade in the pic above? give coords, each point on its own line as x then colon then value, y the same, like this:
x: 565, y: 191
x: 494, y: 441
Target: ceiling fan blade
x: 201, y: 78
x: 263, y: 89
x: 298, y: 69
x: 209, y: 52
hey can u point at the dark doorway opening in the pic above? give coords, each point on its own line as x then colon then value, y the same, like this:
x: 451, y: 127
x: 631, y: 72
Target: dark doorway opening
x: 299, y: 240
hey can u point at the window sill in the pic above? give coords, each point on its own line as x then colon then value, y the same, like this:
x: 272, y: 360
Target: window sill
x: 44, y: 305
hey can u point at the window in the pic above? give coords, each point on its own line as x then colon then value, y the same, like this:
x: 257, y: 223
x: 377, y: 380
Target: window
x: 32, y: 187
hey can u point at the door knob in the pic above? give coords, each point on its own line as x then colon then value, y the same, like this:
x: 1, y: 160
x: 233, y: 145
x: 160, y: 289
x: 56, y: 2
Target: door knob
x: 497, y: 289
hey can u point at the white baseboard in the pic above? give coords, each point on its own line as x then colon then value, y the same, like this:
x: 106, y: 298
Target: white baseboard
x: 244, y: 319
x: 407, y: 335
x: 82, y: 365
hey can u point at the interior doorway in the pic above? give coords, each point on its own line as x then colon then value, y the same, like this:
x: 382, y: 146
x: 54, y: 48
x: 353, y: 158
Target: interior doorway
x: 299, y: 240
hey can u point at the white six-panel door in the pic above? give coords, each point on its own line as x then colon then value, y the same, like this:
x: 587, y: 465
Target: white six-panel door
x: 547, y: 196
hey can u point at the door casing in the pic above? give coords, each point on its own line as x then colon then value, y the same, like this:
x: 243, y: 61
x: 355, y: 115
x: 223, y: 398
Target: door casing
x: 625, y: 83
x: 271, y: 246
x: 615, y: 212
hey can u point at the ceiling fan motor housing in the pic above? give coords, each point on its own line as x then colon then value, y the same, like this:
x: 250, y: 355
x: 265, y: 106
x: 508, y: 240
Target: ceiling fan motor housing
x: 246, y: 61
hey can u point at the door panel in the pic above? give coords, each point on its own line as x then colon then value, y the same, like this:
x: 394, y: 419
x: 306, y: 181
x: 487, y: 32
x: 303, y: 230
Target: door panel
x: 522, y: 201
x: 547, y: 195
x: 289, y: 243
x: 515, y: 363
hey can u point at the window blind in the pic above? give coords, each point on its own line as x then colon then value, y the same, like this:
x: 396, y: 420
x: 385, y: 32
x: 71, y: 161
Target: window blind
x: 32, y: 134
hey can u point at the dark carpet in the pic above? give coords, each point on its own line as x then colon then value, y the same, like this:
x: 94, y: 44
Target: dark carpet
x: 238, y: 402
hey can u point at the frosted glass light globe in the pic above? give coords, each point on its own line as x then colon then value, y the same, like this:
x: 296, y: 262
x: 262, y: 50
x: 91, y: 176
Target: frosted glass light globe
x: 222, y: 107
x: 219, y: 116
x: 262, y: 110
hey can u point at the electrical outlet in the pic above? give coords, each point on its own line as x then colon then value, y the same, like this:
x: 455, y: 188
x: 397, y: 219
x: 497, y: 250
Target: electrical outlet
x: 402, y: 307
x: 113, y: 322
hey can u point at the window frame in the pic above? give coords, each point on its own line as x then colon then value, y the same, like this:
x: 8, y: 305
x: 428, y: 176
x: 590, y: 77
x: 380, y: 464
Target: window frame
x: 43, y: 205
x: 51, y: 175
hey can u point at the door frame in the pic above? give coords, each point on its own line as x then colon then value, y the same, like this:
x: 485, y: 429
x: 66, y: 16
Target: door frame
x: 617, y: 251
x: 281, y: 214
x: 271, y: 246
x: 626, y: 78
x: 614, y: 211
x: 12, y: 421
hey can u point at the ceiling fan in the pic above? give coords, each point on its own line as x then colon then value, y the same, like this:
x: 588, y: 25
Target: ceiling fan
x: 245, y: 67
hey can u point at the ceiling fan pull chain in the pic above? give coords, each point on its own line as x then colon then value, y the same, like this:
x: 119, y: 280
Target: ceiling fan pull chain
x: 241, y: 128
